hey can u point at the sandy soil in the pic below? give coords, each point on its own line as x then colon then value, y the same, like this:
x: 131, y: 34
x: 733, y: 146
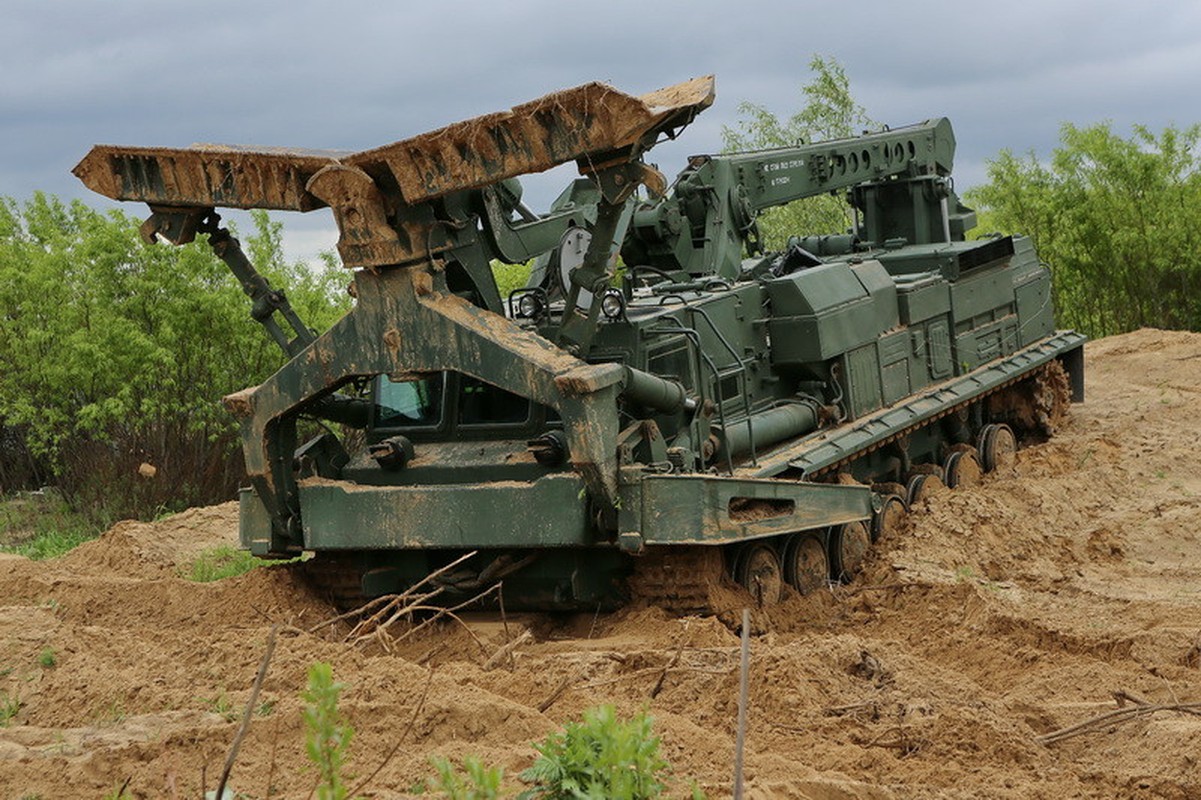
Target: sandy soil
x: 1003, y: 613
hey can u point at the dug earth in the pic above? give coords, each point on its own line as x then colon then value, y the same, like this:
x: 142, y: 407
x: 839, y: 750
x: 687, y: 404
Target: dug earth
x: 961, y: 664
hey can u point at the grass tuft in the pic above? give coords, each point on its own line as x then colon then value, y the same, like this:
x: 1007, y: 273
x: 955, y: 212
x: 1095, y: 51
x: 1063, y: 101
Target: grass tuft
x: 223, y: 562
x: 41, y: 525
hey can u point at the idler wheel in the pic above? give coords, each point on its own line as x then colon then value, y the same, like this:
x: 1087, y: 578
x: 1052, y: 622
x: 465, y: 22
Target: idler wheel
x: 887, y: 521
x: 962, y: 469
x: 998, y: 447
x: 758, y: 569
x: 849, y: 545
x: 806, y: 565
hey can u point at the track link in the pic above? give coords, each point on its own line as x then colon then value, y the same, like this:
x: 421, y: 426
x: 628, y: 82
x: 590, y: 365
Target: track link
x: 680, y: 579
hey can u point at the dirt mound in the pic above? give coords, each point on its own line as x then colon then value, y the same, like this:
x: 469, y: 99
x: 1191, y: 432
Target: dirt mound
x: 155, y: 549
x: 1059, y: 591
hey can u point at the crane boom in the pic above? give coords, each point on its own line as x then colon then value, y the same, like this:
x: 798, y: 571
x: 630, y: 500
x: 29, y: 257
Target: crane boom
x: 707, y: 224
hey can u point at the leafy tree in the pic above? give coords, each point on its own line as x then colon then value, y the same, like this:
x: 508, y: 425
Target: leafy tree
x: 114, y: 353
x: 1117, y: 220
x: 828, y: 111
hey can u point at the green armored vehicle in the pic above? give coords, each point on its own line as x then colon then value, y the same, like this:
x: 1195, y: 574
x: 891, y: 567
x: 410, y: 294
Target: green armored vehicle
x: 665, y: 405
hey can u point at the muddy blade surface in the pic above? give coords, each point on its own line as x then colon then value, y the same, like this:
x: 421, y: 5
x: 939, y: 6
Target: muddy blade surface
x: 573, y: 124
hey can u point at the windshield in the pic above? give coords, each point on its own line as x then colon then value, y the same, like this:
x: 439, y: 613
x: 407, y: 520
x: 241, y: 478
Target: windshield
x: 419, y: 403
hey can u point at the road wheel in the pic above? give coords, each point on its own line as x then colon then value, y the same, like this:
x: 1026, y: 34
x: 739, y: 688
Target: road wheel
x: 888, y: 520
x: 806, y: 565
x: 758, y: 569
x: 962, y: 469
x: 998, y: 447
x: 849, y: 545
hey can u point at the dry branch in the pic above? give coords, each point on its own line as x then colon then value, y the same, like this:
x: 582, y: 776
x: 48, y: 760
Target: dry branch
x: 556, y: 694
x: 671, y: 663
x: 838, y: 711
x: 400, y: 740
x: 438, y: 614
x: 505, y: 651
x: 1114, y: 718
x: 393, y: 598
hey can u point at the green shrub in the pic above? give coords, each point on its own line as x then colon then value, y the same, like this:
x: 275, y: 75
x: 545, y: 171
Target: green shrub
x: 116, y: 353
x: 10, y: 705
x: 476, y: 782
x: 510, y: 277
x: 327, y: 735
x: 600, y: 757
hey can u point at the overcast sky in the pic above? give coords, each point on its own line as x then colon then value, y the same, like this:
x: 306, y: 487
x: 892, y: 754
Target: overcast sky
x: 354, y: 75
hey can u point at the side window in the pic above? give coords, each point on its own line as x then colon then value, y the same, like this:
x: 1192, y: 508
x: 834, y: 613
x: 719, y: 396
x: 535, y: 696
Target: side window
x: 673, y: 362
x: 416, y: 403
x: 483, y: 404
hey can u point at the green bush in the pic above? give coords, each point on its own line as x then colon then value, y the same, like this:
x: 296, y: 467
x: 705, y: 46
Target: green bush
x: 600, y: 757
x: 114, y: 353
x: 510, y: 277
x: 1116, y: 220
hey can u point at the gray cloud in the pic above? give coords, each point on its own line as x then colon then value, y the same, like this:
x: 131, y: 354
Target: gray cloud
x: 358, y: 74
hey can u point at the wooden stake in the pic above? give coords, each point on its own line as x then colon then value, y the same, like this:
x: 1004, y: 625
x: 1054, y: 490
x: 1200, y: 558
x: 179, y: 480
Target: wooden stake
x: 254, y: 696
x: 743, y: 692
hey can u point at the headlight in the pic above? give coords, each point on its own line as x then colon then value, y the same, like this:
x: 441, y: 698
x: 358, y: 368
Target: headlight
x: 530, y: 305
x: 613, y: 304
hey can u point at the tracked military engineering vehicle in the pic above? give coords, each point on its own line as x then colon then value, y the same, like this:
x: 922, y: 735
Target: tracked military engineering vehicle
x: 706, y: 409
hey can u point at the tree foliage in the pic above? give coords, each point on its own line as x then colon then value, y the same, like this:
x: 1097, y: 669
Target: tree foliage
x: 114, y: 353
x: 828, y: 111
x: 1117, y: 219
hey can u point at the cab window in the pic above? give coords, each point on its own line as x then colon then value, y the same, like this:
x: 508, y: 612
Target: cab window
x: 414, y: 403
x: 484, y: 404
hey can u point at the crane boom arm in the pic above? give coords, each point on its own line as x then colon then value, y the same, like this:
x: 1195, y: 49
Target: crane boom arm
x: 707, y: 224
x: 775, y: 177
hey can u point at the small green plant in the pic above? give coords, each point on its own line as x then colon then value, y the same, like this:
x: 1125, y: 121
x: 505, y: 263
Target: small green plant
x: 327, y: 736
x: 223, y: 705
x: 47, y: 659
x: 223, y: 562
x: 111, y: 713
x: 599, y: 757
x: 9, y: 706
x: 476, y: 782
